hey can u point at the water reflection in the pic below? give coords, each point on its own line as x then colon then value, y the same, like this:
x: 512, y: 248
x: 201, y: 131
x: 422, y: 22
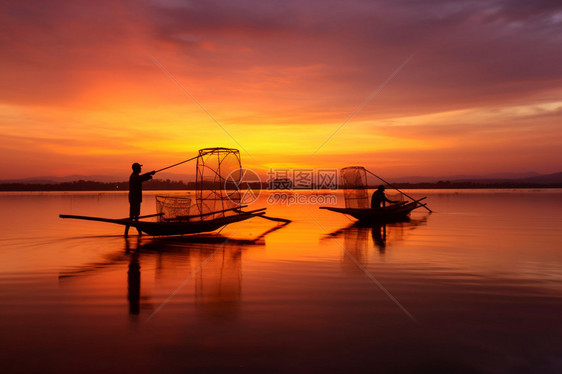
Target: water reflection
x: 378, y: 233
x: 211, y: 263
x: 215, y: 268
x: 482, y: 278
x: 356, y: 238
x: 134, y: 283
x: 218, y: 286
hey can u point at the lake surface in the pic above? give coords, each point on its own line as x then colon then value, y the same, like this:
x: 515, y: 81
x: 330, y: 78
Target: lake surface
x: 475, y: 287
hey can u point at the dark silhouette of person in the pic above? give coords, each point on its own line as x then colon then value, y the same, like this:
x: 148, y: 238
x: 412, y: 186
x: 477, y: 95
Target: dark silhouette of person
x: 133, y: 284
x: 379, y: 199
x: 135, y: 193
x: 378, y: 233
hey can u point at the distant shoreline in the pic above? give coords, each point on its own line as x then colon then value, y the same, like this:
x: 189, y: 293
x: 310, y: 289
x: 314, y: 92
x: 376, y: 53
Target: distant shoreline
x: 178, y: 185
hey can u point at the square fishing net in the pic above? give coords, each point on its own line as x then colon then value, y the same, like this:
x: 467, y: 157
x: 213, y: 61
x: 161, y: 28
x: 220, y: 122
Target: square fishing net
x: 217, y: 182
x: 173, y: 208
x: 355, y: 189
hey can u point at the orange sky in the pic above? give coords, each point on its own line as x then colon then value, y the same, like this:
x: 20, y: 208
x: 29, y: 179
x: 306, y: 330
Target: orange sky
x: 82, y: 91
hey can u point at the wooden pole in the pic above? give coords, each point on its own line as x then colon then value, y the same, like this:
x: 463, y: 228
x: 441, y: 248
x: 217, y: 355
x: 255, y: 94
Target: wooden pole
x: 275, y: 219
x: 405, y: 194
x: 147, y: 216
x: 179, y: 163
x: 217, y: 211
x: 183, y: 162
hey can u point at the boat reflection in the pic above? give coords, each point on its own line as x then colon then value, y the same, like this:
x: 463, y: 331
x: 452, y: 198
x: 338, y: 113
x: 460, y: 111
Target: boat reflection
x: 215, y: 270
x: 356, y: 238
x: 211, y: 263
x: 218, y: 286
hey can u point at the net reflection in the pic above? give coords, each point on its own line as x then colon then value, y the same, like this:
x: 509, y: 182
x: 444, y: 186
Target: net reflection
x: 356, y: 238
x: 211, y: 263
x: 218, y: 286
x: 214, y: 266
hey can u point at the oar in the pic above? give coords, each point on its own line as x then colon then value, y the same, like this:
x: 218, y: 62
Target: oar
x: 405, y: 194
x: 418, y: 200
x: 99, y: 219
x: 424, y: 205
x: 261, y: 214
x: 260, y: 210
x: 276, y: 219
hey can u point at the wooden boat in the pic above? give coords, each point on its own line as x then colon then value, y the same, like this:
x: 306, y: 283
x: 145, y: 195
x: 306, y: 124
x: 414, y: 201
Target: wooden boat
x: 212, y: 183
x: 180, y: 227
x: 392, y: 212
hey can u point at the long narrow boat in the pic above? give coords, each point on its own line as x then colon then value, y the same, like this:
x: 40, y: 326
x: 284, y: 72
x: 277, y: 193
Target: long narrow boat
x: 176, y: 227
x: 353, y: 180
x: 389, y: 213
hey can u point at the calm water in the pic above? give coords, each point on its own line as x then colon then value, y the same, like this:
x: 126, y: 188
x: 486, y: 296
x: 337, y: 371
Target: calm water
x: 474, y: 287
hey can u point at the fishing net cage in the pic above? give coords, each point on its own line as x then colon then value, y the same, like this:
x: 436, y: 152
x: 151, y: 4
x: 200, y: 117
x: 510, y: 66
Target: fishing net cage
x: 173, y: 208
x: 356, y: 189
x: 218, y: 177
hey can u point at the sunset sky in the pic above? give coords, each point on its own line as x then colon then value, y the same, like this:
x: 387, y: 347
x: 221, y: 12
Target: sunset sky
x: 432, y: 87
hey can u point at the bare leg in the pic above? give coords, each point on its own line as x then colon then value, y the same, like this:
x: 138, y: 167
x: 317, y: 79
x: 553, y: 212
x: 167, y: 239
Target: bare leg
x: 137, y: 218
x: 127, y: 230
x: 134, y: 212
x: 140, y: 232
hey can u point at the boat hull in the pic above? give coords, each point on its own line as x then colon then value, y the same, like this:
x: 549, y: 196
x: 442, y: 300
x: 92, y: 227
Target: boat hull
x: 174, y: 228
x: 385, y: 214
x: 184, y: 228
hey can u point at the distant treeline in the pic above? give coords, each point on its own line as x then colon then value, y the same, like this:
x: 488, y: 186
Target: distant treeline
x: 158, y: 184
x: 81, y: 185
x: 475, y: 185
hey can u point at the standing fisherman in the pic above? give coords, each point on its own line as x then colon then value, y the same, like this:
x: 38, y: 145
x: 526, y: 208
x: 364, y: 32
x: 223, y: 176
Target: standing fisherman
x: 135, y: 193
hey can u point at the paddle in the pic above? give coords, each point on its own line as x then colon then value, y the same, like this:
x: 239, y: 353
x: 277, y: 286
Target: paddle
x: 261, y: 214
x: 261, y: 210
x: 418, y: 200
x: 125, y: 221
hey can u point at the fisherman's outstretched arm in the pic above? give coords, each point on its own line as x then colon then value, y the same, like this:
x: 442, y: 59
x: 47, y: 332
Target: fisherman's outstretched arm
x: 147, y: 176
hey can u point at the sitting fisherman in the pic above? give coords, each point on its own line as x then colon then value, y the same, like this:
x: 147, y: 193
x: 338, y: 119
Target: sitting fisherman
x: 135, y: 193
x: 379, y: 199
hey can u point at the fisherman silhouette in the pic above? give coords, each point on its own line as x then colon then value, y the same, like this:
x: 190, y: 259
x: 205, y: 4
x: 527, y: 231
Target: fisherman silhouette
x: 378, y: 233
x: 379, y: 199
x: 135, y: 193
